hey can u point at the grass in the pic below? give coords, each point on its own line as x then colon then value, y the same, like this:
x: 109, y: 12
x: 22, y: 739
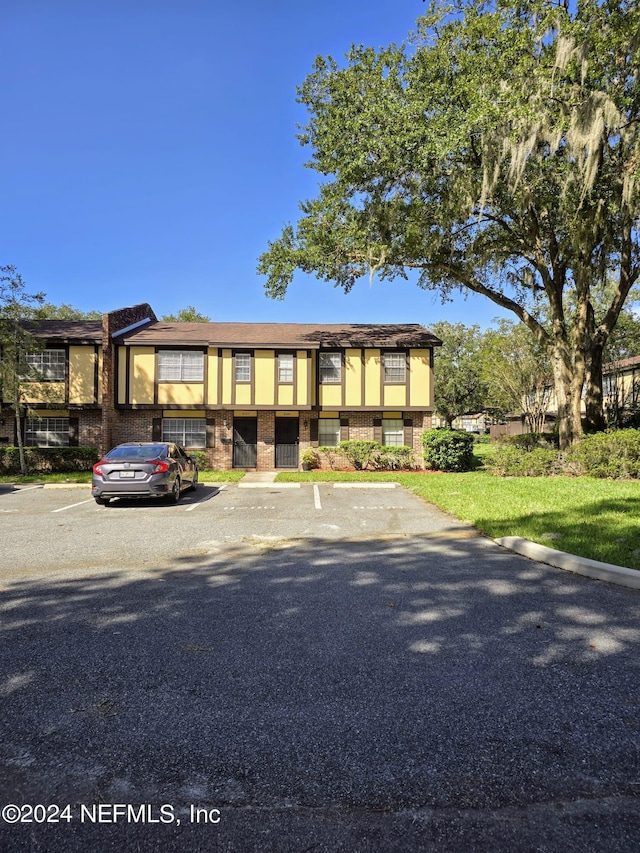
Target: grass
x: 85, y: 477
x: 599, y: 519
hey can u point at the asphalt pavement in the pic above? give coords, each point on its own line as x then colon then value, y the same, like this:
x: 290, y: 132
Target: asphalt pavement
x: 306, y: 669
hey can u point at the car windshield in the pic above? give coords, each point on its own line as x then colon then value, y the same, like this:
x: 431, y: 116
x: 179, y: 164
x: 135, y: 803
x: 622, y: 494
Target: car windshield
x: 138, y: 451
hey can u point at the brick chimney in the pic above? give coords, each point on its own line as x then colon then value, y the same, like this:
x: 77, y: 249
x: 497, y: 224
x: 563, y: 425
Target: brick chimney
x: 112, y: 323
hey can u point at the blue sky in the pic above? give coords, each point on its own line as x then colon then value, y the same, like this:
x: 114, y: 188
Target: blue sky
x: 149, y: 153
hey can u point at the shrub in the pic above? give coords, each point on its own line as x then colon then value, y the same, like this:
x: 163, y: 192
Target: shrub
x: 614, y: 455
x: 200, y: 457
x: 310, y: 458
x: 389, y: 458
x: 448, y: 449
x: 333, y: 455
x: 359, y: 453
x: 49, y: 460
x: 511, y: 461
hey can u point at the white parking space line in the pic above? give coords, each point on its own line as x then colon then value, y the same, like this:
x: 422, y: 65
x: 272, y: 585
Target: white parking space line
x: 316, y: 497
x: 71, y: 506
x: 26, y: 489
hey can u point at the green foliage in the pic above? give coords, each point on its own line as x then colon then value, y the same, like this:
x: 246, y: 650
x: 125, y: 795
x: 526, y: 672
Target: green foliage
x: 496, y: 154
x: 613, y: 455
x: 529, y: 440
x: 334, y: 455
x: 512, y: 461
x: 458, y: 383
x: 388, y: 458
x: 448, y: 450
x: 49, y: 311
x: 359, y: 453
x: 200, y: 457
x: 310, y: 457
x: 187, y: 315
x: 51, y: 460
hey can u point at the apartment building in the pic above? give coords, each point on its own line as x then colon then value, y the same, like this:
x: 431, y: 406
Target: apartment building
x: 251, y: 395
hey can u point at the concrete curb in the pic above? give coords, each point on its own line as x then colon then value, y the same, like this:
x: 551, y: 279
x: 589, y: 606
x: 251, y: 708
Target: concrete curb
x: 568, y: 562
x: 86, y: 486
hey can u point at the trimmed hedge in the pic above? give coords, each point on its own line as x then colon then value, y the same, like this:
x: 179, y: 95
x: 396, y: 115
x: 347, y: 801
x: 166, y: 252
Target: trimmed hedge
x: 448, y: 449
x: 512, y: 461
x: 48, y: 460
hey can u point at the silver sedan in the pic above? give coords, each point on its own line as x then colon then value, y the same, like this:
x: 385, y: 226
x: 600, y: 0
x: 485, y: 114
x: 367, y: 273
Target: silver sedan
x: 154, y: 469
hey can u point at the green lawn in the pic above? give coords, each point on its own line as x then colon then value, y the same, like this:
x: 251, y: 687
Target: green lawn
x: 592, y: 518
x: 85, y: 477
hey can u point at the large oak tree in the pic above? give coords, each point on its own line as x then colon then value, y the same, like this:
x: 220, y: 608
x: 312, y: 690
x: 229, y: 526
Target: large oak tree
x: 496, y: 152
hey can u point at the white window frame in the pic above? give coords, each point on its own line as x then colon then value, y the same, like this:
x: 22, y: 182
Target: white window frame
x: 183, y: 431
x: 285, y: 368
x: 395, y: 367
x: 242, y: 367
x: 393, y: 432
x: 49, y: 365
x: 47, y: 432
x: 330, y: 367
x: 330, y: 435
x: 180, y: 366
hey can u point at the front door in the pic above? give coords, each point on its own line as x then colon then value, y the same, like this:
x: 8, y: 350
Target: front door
x: 287, y: 442
x: 245, y: 442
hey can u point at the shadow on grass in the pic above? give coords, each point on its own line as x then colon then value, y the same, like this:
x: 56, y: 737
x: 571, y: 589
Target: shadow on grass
x: 605, y: 530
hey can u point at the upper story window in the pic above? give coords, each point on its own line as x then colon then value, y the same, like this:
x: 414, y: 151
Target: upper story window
x: 330, y: 367
x: 243, y: 367
x: 285, y: 367
x: 395, y: 367
x: 47, y: 364
x: 176, y: 366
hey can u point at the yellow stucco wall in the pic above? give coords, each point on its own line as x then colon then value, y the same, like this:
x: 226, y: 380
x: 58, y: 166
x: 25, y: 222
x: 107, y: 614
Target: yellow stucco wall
x: 372, y: 367
x: 82, y: 362
x: 302, y: 385
x: 181, y: 393
x: 330, y: 395
x: 44, y: 392
x: 353, y: 377
x: 212, y: 377
x: 243, y: 395
x: 227, y: 374
x: 264, y: 378
x: 421, y: 390
x: 395, y: 395
x: 285, y: 395
x: 142, y: 375
x: 122, y: 375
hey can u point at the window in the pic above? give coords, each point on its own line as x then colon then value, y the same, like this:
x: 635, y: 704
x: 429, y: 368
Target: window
x: 330, y: 367
x: 393, y: 432
x: 329, y: 432
x: 243, y: 367
x: 175, y: 366
x: 189, y: 432
x: 285, y: 367
x: 47, y: 364
x: 47, y: 432
x: 395, y: 367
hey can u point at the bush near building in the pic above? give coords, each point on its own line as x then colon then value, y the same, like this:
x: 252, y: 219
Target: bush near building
x: 448, y: 450
x: 48, y: 460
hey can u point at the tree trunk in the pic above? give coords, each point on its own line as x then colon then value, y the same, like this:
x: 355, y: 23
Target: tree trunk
x: 21, y: 454
x: 594, y: 410
x: 569, y: 420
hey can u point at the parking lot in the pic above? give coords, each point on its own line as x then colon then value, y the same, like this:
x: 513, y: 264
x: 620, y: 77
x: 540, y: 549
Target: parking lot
x: 305, y: 668
x: 54, y: 529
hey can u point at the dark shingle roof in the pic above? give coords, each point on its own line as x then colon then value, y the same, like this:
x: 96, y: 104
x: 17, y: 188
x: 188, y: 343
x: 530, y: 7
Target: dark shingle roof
x: 303, y: 335
x: 68, y: 330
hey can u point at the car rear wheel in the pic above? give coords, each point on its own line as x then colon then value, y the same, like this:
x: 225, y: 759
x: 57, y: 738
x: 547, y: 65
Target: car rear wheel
x: 174, y: 497
x: 194, y: 481
x: 102, y: 501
